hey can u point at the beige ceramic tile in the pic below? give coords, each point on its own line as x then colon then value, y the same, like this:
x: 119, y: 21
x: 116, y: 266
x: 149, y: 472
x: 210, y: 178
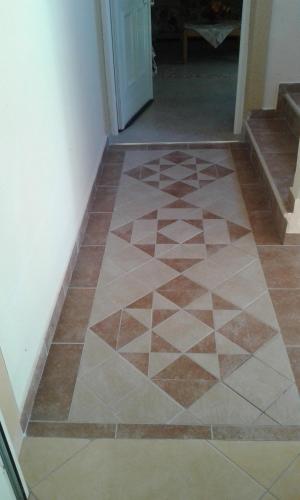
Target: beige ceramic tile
x: 220, y: 405
x: 143, y: 470
x: 40, y: 456
x: 87, y: 407
x: 257, y: 383
x: 286, y: 410
x: 287, y: 486
x: 274, y: 354
x: 147, y: 405
x: 95, y: 352
x: 263, y: 461
x: 182, y: 330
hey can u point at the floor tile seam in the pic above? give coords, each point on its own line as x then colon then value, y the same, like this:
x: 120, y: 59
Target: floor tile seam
x: 282, y: 474
x: 32, y: 488
x: 238, y: 466
x: 131, y: 391
x: 253, y: 404
x: 73, y: 389
x: 274, y: 402
x: 274, y: 369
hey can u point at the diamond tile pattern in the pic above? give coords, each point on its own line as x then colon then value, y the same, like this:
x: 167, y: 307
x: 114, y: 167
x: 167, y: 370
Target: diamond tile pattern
x: 175, y: 302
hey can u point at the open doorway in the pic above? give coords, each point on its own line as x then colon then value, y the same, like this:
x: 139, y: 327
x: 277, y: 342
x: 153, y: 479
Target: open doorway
x: 196, y: 73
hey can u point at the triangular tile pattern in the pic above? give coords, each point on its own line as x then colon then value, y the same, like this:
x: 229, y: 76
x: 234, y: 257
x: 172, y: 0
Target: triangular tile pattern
x: 172, y: 223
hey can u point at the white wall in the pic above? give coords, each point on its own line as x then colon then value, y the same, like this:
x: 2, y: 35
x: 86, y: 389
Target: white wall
x: 52, y: 137
x: 284, y: 49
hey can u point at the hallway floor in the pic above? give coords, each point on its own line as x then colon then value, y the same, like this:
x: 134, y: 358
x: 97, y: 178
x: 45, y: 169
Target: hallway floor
x: 193, y: 101
x: 78, y: 469
x: 178, y: 299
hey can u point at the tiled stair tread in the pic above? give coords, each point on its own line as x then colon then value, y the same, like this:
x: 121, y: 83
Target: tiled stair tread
x: 278, y: 147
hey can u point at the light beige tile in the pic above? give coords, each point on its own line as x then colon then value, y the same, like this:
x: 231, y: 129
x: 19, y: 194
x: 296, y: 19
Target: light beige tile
x: 121, y: 292
x: 140, y: 345
x: 207, y: 274
x: 263, y: 310
x: 160, y: 360
x: 185, y: 418
x: 286, y: 410
x: 87, y: 407
x: 180, y: 231
x: 287, y: 486
x: 257, y: 383
x: 154, y: 274
x: 182, y: 330
x: 147, y: 405
x: 240, y: 291
x: 113, y: 380
x: 95, y: 352
x: 274, y: 354
x: 146, y: 470
x: 264, y: 461
x: 216, y: 231
x: 225, y: 346
x: 232, y: 259
x: 130, y: 258
x: 209, y: 362
x: 40, y: 456
x: 220, y: 405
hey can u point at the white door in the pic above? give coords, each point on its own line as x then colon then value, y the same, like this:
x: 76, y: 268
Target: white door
x: 132, y: 48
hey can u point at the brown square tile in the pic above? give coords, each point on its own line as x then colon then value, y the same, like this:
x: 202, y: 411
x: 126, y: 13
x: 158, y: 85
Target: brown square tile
x: 71, y: 430
x: 287, y: 307
x: 87, y: 268
x: 112, y: 155
x: 54, y: 396
x: 104, y: 199
x: 263, y: 227
x: 97, y: 229
x: 294, y: 355
x: 247, y: 332
x: 109, y: 175
x: 75, y: 315
x: 256, y: 197
x: 281, y: 266
x: 148, y: 431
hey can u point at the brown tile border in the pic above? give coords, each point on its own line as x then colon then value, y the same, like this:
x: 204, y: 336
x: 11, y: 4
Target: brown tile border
x: 38, y: 371
x: 150, y: 431
x: 69, y: 430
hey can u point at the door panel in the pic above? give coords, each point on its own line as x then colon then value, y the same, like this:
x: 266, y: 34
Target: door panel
x: 132, y: 47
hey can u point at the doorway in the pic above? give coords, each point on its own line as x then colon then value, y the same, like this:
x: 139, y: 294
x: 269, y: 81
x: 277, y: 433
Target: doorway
x: 199, y: 73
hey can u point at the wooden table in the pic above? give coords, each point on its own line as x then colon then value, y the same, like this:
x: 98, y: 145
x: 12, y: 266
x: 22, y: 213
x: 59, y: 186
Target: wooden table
x: 189, y: 33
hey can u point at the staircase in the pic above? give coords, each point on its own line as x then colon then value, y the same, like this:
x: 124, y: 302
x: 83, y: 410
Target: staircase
x: 273, y: 138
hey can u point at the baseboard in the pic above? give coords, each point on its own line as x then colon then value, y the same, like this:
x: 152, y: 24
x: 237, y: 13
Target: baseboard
x: 40, y: 365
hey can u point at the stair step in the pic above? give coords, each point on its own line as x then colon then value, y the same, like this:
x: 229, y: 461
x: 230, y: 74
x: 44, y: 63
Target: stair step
x: 277, y: 149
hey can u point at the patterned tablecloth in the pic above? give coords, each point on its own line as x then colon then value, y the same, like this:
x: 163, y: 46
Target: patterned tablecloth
x: 215, y: 34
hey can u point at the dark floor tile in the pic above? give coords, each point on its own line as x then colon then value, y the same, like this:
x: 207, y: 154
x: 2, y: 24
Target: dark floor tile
x: 87, y: 267
x: 75, y: 315
x: 256, y: 197
x: 113, y: 156
x: 287, y: 307
x: 68, y: 430
x: 281, y: 164
x: 55, y: 392
x: 252, y: 433
x: 141, y: 431
x: 110, y: 175
x: 97, y: 229
x: 294, y: 355
x: 104, y: 199
x: 263, y: 227
x: 281, y: 266
x: 245, y: 171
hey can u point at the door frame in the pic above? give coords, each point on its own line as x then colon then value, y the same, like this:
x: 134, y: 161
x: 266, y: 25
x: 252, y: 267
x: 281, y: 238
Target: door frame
x: 110, y: 72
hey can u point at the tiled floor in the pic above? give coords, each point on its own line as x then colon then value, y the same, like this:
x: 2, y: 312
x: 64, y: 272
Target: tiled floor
x: 178, y: 327
x: 77, y: 469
